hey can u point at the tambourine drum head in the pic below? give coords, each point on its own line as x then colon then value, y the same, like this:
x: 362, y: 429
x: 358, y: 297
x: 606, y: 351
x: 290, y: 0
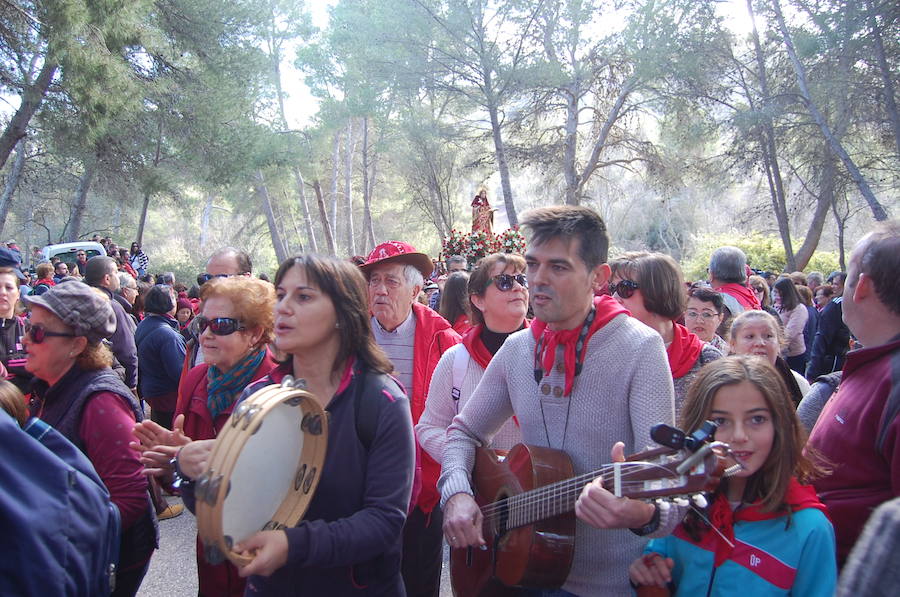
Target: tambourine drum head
x: 263, y: 473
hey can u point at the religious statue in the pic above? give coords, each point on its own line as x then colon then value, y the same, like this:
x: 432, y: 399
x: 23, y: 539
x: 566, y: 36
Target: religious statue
x: 482, y: 214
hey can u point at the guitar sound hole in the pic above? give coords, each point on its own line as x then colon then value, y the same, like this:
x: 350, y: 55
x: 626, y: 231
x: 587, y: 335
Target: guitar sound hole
x: 501, y: 517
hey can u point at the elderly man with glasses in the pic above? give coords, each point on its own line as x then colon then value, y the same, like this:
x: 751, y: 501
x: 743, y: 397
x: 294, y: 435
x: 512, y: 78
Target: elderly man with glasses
x: 414, y: 338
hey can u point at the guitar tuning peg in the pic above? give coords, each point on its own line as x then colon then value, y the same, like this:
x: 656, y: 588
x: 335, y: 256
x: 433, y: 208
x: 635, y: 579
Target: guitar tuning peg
x: 700, y: 500
x: 664, y: 506
x: 681, y: 502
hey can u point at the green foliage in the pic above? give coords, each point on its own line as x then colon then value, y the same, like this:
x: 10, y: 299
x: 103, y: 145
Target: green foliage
x: 764, y: 252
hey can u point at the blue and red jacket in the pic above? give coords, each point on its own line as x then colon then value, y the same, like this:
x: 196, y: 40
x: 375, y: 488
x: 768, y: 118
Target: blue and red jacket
x: 772, y: 556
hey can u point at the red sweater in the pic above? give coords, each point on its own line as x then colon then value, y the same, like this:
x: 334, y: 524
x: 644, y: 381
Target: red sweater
x: 858, y: 434
x: 222, y: 579
x: 105, y: 428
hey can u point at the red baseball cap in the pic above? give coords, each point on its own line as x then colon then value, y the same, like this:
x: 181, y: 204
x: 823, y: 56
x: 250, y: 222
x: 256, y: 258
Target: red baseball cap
x: 395, y: 251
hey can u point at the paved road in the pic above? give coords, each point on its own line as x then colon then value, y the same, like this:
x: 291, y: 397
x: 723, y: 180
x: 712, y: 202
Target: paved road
x: 173, y: 569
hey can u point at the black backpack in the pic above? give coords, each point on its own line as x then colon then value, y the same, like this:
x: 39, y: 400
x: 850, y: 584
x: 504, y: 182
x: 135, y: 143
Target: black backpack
x: 60, y: 532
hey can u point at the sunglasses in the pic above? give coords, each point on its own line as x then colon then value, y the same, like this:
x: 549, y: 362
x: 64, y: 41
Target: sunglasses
x: 38, y: 334
x: 220, y: 326
x: 758, y: 289
x: 207, y: 277
x: 504, y: 282
x: 625, y: 288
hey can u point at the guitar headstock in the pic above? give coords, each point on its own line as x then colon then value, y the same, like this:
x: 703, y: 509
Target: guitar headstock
x: 684, y: 465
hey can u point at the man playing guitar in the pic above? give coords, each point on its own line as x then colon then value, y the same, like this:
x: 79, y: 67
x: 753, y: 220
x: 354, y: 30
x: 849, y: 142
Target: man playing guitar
x: 583, y: 377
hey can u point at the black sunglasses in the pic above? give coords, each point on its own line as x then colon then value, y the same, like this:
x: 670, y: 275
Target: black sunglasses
x: 625, y: 288
x: 220, y: 326
x: 207, y: 277
x: 38, y: 334
x: 504, y: 282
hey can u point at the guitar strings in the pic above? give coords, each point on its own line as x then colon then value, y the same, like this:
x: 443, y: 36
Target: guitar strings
x: 566, y: 490
x: 578, y: 483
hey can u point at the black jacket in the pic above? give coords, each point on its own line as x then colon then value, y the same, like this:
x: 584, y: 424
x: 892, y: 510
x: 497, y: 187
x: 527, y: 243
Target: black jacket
x: 831, y: 341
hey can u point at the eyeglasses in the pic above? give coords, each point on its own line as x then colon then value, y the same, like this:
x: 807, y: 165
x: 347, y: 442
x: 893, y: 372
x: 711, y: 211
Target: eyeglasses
x: 504, y: 282
x: 38, y: 334
x: 220, y: 326
x: 625, y: 288
x: 707, y: 315
x: 758, y: 289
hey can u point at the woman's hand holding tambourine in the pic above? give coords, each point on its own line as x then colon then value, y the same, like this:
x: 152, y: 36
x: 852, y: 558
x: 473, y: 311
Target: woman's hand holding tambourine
x: 271, y: 549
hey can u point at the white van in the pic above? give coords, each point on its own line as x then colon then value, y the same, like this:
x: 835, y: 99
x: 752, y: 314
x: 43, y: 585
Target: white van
x: 67, y: 251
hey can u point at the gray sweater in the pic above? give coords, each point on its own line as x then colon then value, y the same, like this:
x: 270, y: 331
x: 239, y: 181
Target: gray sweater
x: 624, y: 389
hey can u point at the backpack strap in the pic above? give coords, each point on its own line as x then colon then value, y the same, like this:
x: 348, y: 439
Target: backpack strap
x: 460, y: 364
x: 365, y: 412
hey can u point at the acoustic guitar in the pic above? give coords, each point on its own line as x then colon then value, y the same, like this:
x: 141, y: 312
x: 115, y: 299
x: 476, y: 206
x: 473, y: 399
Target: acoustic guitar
x: 528, y: 502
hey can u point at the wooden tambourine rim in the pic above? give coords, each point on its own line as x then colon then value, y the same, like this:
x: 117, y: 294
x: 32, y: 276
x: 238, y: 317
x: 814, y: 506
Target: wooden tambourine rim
x: 229, y: 444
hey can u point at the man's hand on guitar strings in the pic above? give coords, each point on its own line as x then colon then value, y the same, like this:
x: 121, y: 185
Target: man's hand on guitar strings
x: 462, y: 521
x: 601, y: 509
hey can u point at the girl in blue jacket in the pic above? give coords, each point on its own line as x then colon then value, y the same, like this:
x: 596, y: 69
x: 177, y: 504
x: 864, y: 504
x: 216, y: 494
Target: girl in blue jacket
x: 765, y: 531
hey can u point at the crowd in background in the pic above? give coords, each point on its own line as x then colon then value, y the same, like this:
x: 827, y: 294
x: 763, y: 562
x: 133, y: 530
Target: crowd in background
x: 93, y: 342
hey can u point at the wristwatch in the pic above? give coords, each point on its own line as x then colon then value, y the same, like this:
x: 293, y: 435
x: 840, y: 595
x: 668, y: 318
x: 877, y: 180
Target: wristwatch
x: 651, y: 526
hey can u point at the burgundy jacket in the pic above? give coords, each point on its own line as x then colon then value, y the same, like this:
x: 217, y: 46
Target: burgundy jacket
x: 858, y: 434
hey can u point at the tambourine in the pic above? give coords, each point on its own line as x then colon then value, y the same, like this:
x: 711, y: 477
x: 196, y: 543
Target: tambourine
x: 263, y: 470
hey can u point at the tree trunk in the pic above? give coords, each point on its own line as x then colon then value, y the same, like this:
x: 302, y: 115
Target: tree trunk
x: 262, y: 192
x: 877, y: 209
x: 368, y: 231
x: 500, y: 151
x: 31, y: 101
x: 348, y: 189
x: 29, y: 229
x: 145, y: 206
x: 204, y: 222
x: 570, y: 145
x: 299, y: 250
x: 887, y: 77
x: 770, y: 151
x: 335, y: 160
x: 12, y: 183
x: 307, y: 217
x: 84, y: 184
x: 841, y: 225
x: 323, y: 213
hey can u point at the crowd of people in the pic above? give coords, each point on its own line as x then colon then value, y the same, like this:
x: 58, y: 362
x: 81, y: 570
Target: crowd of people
x: 562, y: 348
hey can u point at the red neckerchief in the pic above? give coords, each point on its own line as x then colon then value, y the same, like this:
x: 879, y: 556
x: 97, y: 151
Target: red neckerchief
x: 684, y: 351
x: 798, y: 497
x: 477, y: 350
x: 742, y: 294
x: 606, y: 309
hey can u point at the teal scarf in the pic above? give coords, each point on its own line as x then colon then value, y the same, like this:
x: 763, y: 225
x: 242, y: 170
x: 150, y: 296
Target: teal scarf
x: 225, y: 387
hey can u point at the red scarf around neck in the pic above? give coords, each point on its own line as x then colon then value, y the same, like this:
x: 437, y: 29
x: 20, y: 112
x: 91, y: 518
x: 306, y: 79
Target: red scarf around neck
x: 606, y: 309
x: 477, y: 350
x: 684, y: 351
x: 742, y: 294
x: 798, y: 497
